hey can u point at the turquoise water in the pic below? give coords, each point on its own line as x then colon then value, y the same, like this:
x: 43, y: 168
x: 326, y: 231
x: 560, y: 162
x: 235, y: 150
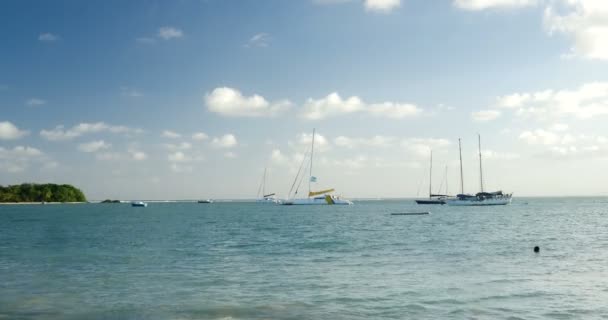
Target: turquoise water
x: 253, y: 261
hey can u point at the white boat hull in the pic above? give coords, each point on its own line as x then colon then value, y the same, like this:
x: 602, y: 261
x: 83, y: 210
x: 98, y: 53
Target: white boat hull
x: 268, y: 201
x: 318, y: 201
x: 479, y: 202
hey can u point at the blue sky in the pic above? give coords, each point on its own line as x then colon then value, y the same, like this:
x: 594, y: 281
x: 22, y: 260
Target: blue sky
x: 192, y: 99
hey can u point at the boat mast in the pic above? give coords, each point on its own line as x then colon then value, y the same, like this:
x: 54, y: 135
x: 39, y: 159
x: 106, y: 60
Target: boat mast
x: 447, y: 192
x: 480, y: 169
x: 312, y: 151
x: 461, y: 175
x: 264, y: 184
x: 431, y: 175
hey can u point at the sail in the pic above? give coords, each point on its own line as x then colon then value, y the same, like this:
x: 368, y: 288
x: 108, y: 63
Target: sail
x: 316, y: 193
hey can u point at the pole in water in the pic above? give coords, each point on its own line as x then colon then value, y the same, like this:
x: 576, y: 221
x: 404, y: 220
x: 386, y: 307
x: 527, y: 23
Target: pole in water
x: 537, y: 249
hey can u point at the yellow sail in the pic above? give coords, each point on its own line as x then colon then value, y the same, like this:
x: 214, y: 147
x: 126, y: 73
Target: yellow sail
x: 316, y: 193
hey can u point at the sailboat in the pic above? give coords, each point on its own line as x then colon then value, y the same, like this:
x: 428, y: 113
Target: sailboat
x: 482, y: 198
x: 322, y: 197
x: 433, y: 198
x: 262, y: 196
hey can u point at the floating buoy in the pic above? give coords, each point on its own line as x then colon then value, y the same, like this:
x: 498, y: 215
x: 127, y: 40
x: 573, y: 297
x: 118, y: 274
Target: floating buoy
x: 537, y: 249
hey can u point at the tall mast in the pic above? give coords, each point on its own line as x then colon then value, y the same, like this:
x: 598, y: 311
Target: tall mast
x: 461, y: 175
x: 312, y: 151
x: 447, y: 192
x: 264, y: 183
x: 431, y: 175
x: 480, y: 169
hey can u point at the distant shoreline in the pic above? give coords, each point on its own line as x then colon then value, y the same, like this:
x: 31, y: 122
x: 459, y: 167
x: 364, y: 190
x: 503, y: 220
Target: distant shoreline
x: 38, y: 203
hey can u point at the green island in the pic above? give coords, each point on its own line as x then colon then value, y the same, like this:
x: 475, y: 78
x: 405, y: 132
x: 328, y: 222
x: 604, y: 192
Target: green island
x: 49, y: 192
x: 110, y: 201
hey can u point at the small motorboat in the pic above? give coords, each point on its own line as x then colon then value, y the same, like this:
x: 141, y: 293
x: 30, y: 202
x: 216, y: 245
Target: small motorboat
x: 205, y: 201
x: 138, y: 204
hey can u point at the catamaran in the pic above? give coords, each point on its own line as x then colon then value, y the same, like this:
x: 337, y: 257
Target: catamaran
x: 482, y: 198
x: 269, y: 198
x: 322, y: 197
x: 433, y: 198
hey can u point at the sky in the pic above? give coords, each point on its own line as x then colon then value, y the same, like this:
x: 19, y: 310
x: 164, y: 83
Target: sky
x: 193, y: 99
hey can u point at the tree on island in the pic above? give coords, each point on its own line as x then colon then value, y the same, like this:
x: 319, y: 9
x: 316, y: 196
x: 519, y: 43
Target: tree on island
x: 31, y: 192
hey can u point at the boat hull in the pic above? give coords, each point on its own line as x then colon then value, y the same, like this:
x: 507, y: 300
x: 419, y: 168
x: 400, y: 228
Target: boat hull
x: 139, y: 204
x: 429, y: 201
x: 479, y: 202
x: 268, y: 201
x: 328, y: 200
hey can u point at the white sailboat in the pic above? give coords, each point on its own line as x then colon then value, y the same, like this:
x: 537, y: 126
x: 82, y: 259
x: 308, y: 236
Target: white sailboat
x: 322, y: 197
x: 482, y: 198
x: 269, y: 198
x: 433, y: 198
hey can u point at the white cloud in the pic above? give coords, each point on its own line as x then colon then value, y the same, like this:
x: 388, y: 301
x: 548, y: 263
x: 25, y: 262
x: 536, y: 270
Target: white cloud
x: 561, y: 145
x: 485, y: 115
x: 199, y: 136
x: 20, y: 151
x: 178, y: 156
x: 259, y: 40
x: 334, y: 105
x: 167, y: 33
x: 171, y: 134
x: 304, y: 140
x: 476, y: 5
x: 278, y: 157
x: 225, y: 141
x: 587, y: 101
x: 18, y: 159
x: 394, y: 110
x: 178, y: 168
x: 375, y: 141
x: 422, y: 146
x: 383, y: 6
x: 94, y: 146
x: 490, y: 154
x: 109, y: 156
x: 59, y: 133
x: 585, y: 21
x: 379, y: 6
x: 180, y: 146
x: 331, y: 105
x: 559, y: 127
x: 9, y: 131
x: 540, y: 136
x: 138, y: 155
x: 35, y: 102
x: 231, y: 102
x: 48, y: 37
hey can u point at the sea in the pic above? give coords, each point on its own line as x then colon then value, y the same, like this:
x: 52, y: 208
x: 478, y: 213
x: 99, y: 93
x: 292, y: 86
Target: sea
x: 238, y: 260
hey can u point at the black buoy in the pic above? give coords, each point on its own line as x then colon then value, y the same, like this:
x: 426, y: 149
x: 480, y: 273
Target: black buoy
x: 537, y: 249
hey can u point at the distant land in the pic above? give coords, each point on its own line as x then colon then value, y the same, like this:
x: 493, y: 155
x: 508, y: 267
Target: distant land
x: 32, y: 192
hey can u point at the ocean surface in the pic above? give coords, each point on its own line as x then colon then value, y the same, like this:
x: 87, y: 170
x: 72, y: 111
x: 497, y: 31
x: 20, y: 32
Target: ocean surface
x: 254, y: 261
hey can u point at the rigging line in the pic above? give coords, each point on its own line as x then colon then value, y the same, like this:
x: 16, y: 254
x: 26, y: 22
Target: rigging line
x: 312, y: 153
x: 443, y: 179
x: 480, y: 168
x: 300, y: 183
x: 420, y: 184
x: 298, y: 174
x: 260, y: 187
